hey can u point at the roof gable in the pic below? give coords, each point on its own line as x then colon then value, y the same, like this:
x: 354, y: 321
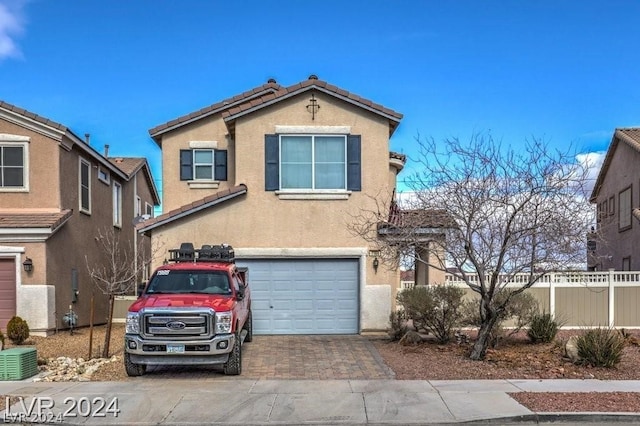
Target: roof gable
x: 268, y: 94
x: 629, y: 136
x: 157, y: 132
x: 131, y: 166
x: 313, y: 83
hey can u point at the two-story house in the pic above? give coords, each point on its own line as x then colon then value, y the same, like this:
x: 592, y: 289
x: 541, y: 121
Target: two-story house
x: 616, y: 194
x: 57, y: 194
x: 280, y: 173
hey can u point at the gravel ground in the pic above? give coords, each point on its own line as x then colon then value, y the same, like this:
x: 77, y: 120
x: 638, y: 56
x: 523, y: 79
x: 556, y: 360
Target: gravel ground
x: 518, y: 359
x: 514, y: 359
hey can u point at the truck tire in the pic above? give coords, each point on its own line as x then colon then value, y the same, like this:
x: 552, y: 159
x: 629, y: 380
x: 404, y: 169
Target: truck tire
x: 233, y: 366
x: 248, y: 327
x: 133, y: 370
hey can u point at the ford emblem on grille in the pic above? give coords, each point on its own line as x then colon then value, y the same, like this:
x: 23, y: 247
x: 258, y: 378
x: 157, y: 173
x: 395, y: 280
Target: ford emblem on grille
x: 176, y: 325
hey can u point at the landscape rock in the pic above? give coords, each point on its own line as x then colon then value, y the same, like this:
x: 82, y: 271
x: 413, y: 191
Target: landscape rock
x: 571, y: 349
x: 411, y: 338
x: 64, y: 369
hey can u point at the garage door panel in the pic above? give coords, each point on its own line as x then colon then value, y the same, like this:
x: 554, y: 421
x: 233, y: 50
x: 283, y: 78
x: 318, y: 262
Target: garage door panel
x: 304, y: 296
x: 7, y: 291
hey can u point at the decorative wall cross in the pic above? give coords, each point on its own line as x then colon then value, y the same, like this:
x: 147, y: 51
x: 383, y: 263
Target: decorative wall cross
x: 313, y: 106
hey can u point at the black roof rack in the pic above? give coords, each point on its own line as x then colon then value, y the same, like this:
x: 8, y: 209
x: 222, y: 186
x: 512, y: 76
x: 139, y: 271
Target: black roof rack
x: 208, y: 253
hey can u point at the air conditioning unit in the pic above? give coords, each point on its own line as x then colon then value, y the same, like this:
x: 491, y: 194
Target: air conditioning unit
x: 18, y: 363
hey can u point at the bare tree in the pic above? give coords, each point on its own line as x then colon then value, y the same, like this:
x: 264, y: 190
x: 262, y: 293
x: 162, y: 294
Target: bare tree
x: 504, y: 211
x: 118, y: 270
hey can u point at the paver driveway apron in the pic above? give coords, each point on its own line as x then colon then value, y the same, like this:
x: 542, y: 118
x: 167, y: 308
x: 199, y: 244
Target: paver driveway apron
x: 296, y: 357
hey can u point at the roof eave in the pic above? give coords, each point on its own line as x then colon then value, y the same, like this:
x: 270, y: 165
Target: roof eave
x: 142, y: 228
x: 394, y: 121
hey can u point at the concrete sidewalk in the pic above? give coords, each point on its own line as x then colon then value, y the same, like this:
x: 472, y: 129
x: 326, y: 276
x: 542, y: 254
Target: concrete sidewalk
x: 246, y: 402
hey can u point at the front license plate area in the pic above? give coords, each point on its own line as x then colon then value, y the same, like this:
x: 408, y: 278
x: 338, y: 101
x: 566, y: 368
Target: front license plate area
x: 175, y: 349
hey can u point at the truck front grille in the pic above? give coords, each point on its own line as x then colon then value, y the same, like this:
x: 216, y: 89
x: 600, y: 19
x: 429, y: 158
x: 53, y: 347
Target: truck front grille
x: 178, y: 324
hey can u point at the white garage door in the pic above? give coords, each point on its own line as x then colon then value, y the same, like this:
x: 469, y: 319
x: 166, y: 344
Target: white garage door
x: 304, y: 296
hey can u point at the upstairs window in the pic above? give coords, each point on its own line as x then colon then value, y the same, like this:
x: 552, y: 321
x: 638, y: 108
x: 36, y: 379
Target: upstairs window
x: 624, y: 209
x: 84, y: 185
x: 203, y: 164
x: 12, y: 167
x: 312, y: 162
x: 117, y: 204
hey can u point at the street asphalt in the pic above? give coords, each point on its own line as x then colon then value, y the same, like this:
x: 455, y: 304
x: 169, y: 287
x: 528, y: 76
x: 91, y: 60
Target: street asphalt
x: 295, y: 402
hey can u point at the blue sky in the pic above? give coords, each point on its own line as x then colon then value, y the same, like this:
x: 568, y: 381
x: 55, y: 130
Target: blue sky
x: 564, y: 71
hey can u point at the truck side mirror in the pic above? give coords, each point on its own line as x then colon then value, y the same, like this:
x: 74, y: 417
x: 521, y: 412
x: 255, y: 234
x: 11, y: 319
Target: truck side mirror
x: 240, y: 293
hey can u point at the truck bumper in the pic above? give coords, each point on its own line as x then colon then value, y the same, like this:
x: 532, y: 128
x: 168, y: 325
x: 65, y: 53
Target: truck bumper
x: 213, y: 351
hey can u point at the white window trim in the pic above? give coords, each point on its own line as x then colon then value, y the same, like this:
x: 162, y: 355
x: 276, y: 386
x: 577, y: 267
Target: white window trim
x: 148, y: 208
x: 311, y: 130
x: 23, y: 141
x: 137, y: 210
x: 203, y: 145
x: 106, y: 180
x: 81, y: 162
x: 317, y: 194
x: 310, y: 191
x: 625, y: 214
x: 117, y: 204
x: 203, y: 184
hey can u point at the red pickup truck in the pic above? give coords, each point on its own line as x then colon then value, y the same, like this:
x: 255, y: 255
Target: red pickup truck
x: 195, y: 309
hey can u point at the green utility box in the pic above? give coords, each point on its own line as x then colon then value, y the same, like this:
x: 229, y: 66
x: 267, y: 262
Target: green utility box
x: 18, y: 363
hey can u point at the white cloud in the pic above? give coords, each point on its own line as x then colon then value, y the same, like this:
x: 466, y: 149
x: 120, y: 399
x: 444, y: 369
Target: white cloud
x: 593, y: 161
x: 11, y: 25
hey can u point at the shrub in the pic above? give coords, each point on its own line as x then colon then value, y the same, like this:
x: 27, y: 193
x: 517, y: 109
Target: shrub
x: 521, y: 309
x: 600, y: 347
x: 435, y: 309
x: 1, y: 340
x: 398, y: 325
x: 17, y: 330
x: 543, y: 328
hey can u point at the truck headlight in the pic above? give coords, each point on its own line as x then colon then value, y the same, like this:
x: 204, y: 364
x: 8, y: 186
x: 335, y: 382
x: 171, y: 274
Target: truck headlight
x: 223, y: 322
x: 133, y: 323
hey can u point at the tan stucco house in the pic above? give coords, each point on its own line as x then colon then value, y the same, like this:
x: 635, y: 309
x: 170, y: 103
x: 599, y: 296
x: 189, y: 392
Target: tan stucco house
x: 56, y: 193
x: 615, y: 242
x: 279, y: 173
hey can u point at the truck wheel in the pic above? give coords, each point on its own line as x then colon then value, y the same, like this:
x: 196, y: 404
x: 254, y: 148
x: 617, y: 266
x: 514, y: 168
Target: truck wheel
x: 248, y: 327
x: 133, y: 370
x: 233, y: 366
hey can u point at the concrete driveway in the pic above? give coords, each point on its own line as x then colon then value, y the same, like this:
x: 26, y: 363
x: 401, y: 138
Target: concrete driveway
x: 295, y: 357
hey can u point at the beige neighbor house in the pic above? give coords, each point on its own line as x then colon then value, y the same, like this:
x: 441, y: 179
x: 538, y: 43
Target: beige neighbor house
x: 279, y: 173
x: 56, y: 193
x: 617, y: 197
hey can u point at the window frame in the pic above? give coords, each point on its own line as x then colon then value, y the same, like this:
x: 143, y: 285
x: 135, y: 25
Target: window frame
x: 84, y: 163
x: 148, y: 209
x: 313, y: 163
x: 117, y: 204
x: 104, y: 176
x: 612, y: 205
x: 211, y: 165
x: 25, y: 165
x: 625, y: 215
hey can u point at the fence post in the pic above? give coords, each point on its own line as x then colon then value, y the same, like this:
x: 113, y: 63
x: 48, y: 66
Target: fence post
x: 552, y: 295
x: 612, y: 290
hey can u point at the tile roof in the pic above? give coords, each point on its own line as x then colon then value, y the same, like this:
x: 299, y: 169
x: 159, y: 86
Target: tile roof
x: 268, y: 94
x: 194, y: 207
x: 630, y: 136
x: 269, y: 87
x: 32, y: 116
x: 60, y: 130
x: 128, y: 165
x: 33, y: 219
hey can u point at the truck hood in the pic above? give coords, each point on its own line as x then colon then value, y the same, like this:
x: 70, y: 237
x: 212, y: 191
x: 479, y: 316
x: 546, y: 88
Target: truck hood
x: 216, y: 302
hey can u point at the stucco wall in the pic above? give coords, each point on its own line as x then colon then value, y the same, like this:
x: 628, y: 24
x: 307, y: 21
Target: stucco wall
x: 615, y: 244
x: 43, y: 172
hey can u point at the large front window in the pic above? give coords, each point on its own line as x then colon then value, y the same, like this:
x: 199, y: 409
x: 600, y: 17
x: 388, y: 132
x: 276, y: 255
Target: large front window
x: 312, y: 162
x: 12, y: 166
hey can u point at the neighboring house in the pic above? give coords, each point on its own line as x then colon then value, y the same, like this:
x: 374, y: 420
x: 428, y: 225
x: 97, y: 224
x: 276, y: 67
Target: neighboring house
x: 617, y: 197
x: 280, y: 173
x: 56, y: 194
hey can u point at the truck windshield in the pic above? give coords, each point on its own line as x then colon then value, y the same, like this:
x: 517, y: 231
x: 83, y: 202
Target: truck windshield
x: 189, y: 282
